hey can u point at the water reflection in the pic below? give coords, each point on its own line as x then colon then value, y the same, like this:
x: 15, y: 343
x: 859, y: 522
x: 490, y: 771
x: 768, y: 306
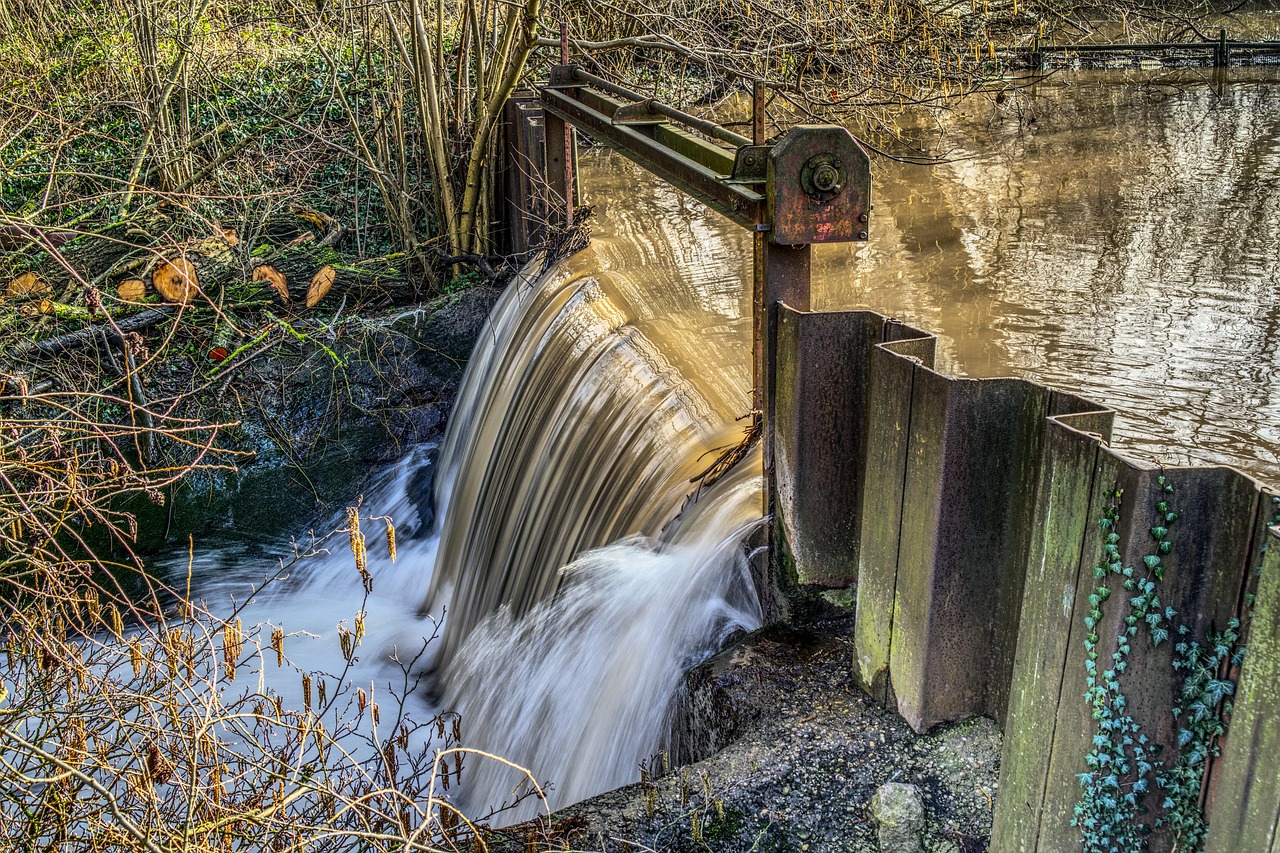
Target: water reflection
x: 1122, y: 245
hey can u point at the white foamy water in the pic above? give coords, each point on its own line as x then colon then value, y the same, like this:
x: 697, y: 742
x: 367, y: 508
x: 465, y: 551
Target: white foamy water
x: 558, y: 553
x: 578, y: 689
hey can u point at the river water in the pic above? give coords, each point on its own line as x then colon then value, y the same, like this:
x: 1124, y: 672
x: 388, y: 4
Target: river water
x: 1122, y: 245
x: 1113, y: 234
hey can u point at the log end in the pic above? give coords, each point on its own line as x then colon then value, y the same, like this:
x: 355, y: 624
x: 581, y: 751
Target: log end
x: 132, y: 290
x: 27, y: 284
x: 176, y: 280
x: 274, y: 279
x: 321, y: 284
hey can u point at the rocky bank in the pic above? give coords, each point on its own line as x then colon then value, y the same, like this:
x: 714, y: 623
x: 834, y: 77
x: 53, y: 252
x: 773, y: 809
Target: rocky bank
x: 800, y: 753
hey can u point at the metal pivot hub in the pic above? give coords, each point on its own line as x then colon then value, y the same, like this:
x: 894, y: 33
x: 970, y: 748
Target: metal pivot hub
x: 821, y: 179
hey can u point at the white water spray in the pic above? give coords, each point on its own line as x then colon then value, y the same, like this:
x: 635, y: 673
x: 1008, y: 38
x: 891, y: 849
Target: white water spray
x: 572, y: 444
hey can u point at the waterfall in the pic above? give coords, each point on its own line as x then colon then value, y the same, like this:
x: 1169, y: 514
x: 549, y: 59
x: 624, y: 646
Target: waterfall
x: 571, y: 431
x: 577, y: 591
x: 556, y: 530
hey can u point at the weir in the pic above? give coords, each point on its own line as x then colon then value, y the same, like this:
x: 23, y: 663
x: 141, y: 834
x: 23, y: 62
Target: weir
x: 813, y: 185
x: 1005, y: 555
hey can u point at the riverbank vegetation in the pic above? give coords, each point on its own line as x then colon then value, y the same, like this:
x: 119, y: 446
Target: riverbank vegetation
x: 188, y: 186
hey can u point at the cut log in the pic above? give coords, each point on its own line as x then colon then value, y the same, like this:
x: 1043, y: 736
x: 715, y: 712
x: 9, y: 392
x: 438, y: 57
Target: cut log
x: 132, y: 290
x: 321, y: 284
x: 63, y: 311
x: 97, y: 332
x: 176, y: 280
x: 333, y: 231
x: 27, y: 284
x: 370, y: 283
x: 274, y: 279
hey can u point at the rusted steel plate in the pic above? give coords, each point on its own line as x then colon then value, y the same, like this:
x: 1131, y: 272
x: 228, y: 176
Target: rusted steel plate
x: 818, y: 186
x: 972, y: 460
x: 891, y: 369
x: 1055, y: 559
x: 820, y: 438
x: 1246, y: 811
x: 1198, y: 580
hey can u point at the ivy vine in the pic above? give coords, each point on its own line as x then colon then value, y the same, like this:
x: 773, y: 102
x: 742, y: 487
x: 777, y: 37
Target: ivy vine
x: 1121, y: 762
x: 1122, y: 766
x: 1202, y: 709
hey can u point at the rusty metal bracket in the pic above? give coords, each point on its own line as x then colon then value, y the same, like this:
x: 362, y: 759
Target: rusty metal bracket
x: 751, y: 165
x: 819, y: 187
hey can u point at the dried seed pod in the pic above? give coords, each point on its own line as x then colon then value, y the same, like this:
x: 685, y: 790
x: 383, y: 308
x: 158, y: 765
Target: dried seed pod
x: 115, y: 621
x: 216, y: 788
x: 356, y: 540
x: 159, y: 769
x: 232, y: 646
x: 135, y: 656
x: 321, y: 739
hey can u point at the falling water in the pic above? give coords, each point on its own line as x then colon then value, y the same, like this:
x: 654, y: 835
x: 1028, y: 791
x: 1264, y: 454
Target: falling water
x: 577, y: 689
x: 577, y: 568
x: 572, y: 430
x: 567, y: 466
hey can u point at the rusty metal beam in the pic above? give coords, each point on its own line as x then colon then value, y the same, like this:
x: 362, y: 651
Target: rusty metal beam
x: 700, y: 168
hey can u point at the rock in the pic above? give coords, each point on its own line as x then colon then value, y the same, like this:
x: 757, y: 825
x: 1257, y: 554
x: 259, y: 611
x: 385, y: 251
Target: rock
x: 312, y: 420
x: 773, y: 711
x: 898, y: 810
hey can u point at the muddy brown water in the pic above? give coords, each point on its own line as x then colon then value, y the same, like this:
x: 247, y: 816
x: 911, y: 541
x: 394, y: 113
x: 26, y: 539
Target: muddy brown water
x: 1115, y: 234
